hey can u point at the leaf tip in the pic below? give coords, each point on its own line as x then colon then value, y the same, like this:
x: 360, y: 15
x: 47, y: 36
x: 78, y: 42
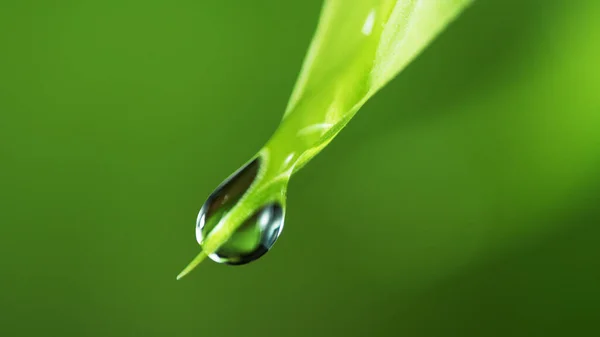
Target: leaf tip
x: 195, y: 262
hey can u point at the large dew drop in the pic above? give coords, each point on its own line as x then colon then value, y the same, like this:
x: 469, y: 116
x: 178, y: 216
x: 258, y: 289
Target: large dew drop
x: 256, y: 235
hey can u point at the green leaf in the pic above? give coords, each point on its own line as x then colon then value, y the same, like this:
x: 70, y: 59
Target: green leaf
x: 359, y: 46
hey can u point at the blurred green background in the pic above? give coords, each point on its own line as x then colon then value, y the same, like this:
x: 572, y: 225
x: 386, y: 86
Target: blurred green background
x: 463, y: 200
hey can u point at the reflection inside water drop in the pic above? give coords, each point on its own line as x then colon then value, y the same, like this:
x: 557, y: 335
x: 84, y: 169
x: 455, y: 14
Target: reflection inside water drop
x: 256, y: 235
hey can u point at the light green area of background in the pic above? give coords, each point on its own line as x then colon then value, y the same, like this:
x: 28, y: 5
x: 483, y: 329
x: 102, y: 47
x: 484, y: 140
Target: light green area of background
x: 463, y: 200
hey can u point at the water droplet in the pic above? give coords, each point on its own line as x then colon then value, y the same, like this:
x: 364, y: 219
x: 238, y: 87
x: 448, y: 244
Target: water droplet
x: 256, y: 235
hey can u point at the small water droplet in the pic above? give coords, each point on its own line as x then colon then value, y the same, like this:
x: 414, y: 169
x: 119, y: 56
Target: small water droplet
x: 256, y: 235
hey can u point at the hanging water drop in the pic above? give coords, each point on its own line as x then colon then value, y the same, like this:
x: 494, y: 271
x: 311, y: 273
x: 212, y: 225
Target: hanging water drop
x: 255, y: 236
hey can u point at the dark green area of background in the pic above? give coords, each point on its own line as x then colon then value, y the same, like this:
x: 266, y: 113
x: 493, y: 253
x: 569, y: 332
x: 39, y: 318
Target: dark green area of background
x: 462, y: 200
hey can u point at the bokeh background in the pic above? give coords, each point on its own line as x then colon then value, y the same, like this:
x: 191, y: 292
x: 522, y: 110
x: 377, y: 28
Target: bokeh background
x: 463, y: 200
